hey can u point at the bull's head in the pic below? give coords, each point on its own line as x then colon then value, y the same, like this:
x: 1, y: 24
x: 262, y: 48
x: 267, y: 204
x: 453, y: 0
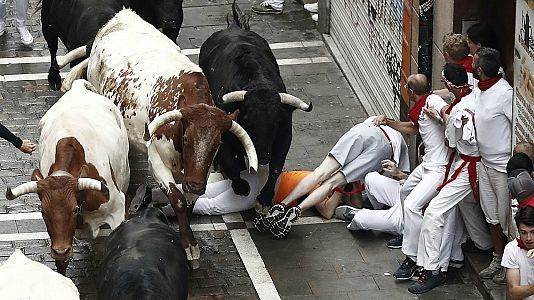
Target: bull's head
x: 261, y: 116
x: 166, y: 14
x: 202, y: 127
x: 61, y: 206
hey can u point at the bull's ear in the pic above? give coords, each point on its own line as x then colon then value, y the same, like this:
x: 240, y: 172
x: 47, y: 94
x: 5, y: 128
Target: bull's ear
x: 234, y: 115
x: 84, y: 171
x: 36, y: 175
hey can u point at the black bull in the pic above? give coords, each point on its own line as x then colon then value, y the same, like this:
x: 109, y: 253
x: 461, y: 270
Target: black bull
x: 76, y: 23
x: 143, y: 259
x: 243, y: 74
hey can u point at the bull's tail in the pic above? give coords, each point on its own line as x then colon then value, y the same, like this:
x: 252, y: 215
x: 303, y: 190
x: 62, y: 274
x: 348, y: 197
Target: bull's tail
x: 240, y: 19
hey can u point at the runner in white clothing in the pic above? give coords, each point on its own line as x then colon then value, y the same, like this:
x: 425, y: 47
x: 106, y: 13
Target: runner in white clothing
x: 421, y: 185
x: 460, y: 182
x: 518, y: 258
x: 493, y: 123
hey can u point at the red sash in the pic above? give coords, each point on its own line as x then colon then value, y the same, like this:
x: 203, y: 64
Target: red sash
x: 416, y: 109
x: 526, y: 202
x: 471, y: 162
x: 520, y: 244
x: 355, y: 191
x: 484, y: 85
x: 457, y: 100
x: 467, y: 63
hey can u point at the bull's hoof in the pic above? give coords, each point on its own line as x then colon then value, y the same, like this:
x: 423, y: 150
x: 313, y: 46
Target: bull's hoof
x: 193, y: 255
x: 240, y: 187
x: 54, y: 81
x: 194, y: 264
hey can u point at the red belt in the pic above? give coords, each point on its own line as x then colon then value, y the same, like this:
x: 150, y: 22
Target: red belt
x: 385, y: 133
x: 471, y: 162
x: 390, y: 144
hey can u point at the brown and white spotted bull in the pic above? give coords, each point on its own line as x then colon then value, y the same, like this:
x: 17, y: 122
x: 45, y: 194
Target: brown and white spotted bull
x: 83, y: 150
x: 152, y: 83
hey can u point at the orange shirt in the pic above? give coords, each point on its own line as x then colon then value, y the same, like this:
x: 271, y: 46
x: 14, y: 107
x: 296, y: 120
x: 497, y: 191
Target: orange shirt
x: 287, y: 182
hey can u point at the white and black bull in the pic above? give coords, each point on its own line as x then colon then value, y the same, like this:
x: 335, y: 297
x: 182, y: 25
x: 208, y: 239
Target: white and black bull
x: 243, y: 74
x: 76, y: 22
x: 151, y: 82
x: 83, y: 150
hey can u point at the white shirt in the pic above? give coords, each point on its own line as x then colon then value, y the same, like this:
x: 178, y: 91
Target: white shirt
x: 462, y: 137
x: 493, y: 122
x: 400, y: 149
x: 433, y: 135
x: 516, y: 258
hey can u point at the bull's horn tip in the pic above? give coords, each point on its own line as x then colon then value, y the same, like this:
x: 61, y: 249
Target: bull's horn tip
x: 9, y: 194
x: 310, y: 107
x: 146, y: 136
x: 104, y: 189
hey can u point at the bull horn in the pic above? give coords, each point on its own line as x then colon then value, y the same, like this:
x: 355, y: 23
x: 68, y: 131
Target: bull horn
x: 296, y: 102
x: 234, y: 96
x: 243, y: 137
x: 79, y: 52
x: 159, y: 121
x: 25, y: 188
x: 92, y: 184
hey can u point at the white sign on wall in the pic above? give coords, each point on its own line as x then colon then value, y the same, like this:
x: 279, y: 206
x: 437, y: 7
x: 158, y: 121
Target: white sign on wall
x: 524, y: 72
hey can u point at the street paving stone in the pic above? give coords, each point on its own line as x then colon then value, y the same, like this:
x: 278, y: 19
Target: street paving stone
x: 319, y: 261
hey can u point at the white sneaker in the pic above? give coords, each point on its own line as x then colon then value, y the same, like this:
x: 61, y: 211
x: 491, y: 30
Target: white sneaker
x: 312, y: 7
x: 25, y: 36
x: 315, y: 17
x: 2, y: 28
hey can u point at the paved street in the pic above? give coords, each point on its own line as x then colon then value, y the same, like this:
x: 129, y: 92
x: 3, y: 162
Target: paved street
x: 319, y: 259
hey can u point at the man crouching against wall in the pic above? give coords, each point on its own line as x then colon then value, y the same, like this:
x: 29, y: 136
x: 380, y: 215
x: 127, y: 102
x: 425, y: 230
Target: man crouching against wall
x: 518, y: 257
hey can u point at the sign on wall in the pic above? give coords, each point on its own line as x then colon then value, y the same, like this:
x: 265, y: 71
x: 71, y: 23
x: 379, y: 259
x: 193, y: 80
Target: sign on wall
x: 524, y: 72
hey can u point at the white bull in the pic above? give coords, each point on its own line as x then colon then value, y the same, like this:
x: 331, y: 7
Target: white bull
x: 83, y: 150
x: 164, y: 98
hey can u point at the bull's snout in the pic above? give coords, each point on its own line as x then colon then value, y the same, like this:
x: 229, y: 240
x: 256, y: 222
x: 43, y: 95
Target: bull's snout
x: 264, y: 160
x: 60, y: 253
x: 195, y: 188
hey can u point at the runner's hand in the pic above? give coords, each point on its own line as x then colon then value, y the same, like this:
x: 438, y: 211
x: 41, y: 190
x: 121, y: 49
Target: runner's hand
x: 390, y: 167
x: 27, y: 146
x: 380, y: 120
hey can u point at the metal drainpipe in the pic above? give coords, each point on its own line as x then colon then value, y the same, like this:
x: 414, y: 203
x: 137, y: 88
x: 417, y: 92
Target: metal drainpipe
x: 424, y: 58
x: 424, y: 55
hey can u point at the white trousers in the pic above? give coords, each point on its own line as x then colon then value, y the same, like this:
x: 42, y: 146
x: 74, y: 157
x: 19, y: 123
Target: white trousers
x: 442, y: 212
x: 416, y: 192
x: 494, y: 198
x: 381, y: 190
x: 220, y: 198
x: 276, y: 4
x: 21, y: 9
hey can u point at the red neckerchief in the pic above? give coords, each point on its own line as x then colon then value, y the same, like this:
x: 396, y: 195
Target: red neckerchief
x: 417, y: 108
x: 486, y: 84
x: 457, y: 100
x: 527, y: 202
x: 355, y: 191
x: 467, y: 63
x: 520, y: 244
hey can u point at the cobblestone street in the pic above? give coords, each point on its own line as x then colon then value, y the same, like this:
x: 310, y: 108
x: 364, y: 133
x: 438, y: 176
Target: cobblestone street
x: 319, y: 259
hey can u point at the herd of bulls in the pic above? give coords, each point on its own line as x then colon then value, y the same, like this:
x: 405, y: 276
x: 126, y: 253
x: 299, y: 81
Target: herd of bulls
x: 141, y: 91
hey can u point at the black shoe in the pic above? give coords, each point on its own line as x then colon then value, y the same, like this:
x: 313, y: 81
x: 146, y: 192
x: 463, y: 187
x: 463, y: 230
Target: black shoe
x: 280, y: 228
x: 457, y: 264
x: 427, y: 281
x: 395, y: 243
x: 275, y: 213
x: 406, y: 270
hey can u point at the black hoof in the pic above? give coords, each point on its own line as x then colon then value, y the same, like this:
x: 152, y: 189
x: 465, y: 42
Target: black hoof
x: 54, y: 81
x: 241, y: 187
